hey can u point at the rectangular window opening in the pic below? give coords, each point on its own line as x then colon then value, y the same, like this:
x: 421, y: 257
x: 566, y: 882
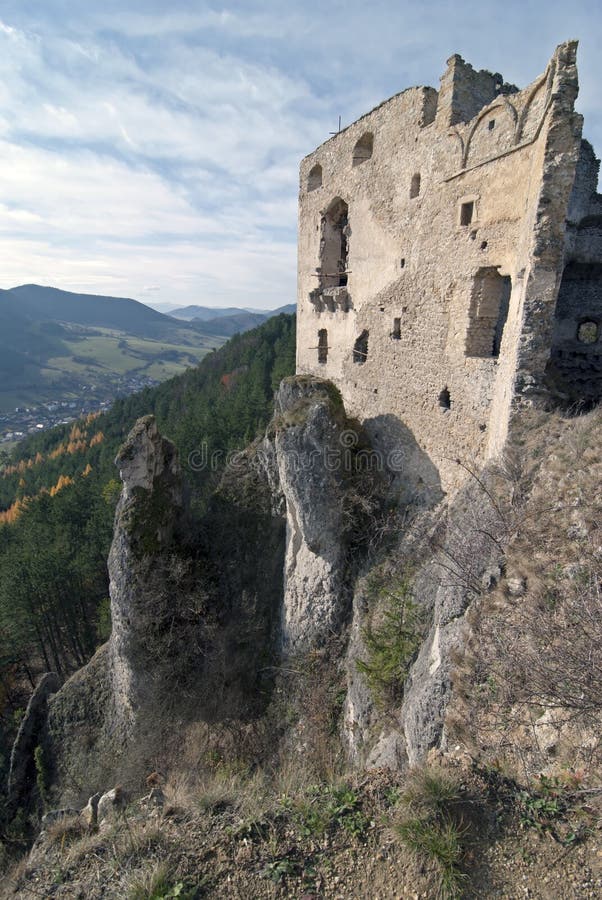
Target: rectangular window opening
x: 466, y: 213
x: 322, y: 345
x: 489, y: 305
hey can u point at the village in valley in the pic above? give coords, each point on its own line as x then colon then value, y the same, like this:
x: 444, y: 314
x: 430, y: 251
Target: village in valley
x: 23, y: 420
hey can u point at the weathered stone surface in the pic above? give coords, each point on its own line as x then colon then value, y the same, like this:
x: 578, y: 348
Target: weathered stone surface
x: 89, y: 814
x: 92, y: 719
x: 145, y: 520
x: 449, y: 233
x: 190, y: 636
x: 22, y: 775
x: 111, y: 806
x: 452, y: 552
x: 310, y: 445
x: 83, y: 740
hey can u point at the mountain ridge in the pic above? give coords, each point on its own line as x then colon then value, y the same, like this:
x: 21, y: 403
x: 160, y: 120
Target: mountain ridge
x: 61, y: 346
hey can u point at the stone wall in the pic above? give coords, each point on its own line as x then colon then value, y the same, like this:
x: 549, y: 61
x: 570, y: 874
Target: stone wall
x: 575, y: 368
x: 431, y: 249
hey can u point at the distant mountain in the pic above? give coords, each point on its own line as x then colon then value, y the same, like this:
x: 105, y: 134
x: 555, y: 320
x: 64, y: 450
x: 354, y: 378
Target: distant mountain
x: 236, y: 324
x: 205, y: 313
x: 165, y: 308
x: 48, y: 304
x: 85, y: 348
x: 209, y: 313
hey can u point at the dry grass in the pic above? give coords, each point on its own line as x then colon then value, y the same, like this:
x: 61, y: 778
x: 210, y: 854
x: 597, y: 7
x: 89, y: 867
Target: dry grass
x: 65, y: 831
x: 527, y: 684
x: 152, y: 883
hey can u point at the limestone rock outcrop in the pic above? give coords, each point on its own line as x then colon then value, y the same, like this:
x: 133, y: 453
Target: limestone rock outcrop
x: 141, y: 603
x: 198, y: 633
x: 312, y: 444
x: 97, y: 716
x: 452, y: 553
x: 21, y: 771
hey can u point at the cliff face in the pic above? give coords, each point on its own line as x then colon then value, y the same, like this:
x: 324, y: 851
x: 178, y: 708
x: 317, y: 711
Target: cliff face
x: 194, y: 618
x: 142, y: 605
x: 312, y: 444
x: 205, y: 624
x: 96, y: 717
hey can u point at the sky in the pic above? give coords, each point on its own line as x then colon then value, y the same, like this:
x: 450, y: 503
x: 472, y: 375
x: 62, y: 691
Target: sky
x: 151, y: 149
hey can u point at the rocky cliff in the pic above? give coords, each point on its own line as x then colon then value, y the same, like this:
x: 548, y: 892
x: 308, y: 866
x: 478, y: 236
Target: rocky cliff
x: 143, y: 606
x: 306, y: 608
x: 310, y: 625
x: 312, y: 441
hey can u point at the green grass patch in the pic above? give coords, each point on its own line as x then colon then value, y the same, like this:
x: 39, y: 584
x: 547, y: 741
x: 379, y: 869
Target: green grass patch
x: 431, y: 824
x: 324, y: 808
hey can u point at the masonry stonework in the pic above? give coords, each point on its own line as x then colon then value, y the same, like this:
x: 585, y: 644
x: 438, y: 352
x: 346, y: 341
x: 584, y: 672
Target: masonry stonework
x: 450, y: 266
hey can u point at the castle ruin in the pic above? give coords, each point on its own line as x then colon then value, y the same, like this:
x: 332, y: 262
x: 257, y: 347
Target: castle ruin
x: 450, y: 264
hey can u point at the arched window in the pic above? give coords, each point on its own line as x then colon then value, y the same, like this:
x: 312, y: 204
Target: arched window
x: 363, y: 149
x: 314, y: 179
x: 415, y: 186
x: 334, y: 245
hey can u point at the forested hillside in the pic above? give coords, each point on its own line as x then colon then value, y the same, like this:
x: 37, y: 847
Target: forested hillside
x: 59, y: 347
x: 59, y: 488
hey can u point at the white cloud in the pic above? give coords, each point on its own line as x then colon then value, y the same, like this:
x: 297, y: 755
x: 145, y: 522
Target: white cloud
x: 142, y: 146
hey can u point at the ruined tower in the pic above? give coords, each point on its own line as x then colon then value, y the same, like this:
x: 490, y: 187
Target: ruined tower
x: 450, y: 263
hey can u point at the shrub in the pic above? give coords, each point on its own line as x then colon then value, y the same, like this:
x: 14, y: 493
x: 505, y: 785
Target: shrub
x: 42, y: 779
x: 326, y: 807
x: 431, y: 790
x: 392, y: 644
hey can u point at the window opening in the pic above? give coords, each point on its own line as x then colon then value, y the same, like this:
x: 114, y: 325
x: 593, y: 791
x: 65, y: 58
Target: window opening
x: 488, y: 313
x: 334, y: 245
x: 360, y: 348
x: 588, y: 332
x: 314, y: 179
x: 466, y: 213
x: 363, y: 149
x: 322, y: 345
x: 445, y: 399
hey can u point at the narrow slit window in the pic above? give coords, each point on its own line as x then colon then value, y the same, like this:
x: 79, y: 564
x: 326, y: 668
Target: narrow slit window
x: 415, y: 186
x: 360, y: 349
x: 396, y: 333
x: 322, y: 346
x: 445, y: 399
x: 467, y: 213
